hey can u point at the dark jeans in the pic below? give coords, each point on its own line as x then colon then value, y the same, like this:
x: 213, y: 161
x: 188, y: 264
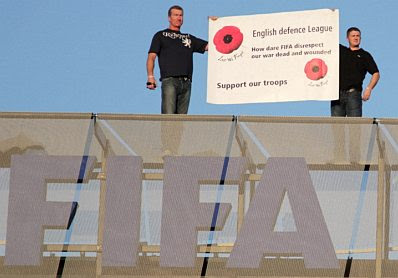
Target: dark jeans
x: 176, y: 92
x: 349, y: 104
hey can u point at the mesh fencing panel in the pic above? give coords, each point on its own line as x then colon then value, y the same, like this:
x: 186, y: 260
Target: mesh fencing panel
x: 86, y: 195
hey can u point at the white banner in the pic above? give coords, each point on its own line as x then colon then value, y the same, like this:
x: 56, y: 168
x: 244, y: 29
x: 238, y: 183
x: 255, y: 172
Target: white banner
x: 288, y: 56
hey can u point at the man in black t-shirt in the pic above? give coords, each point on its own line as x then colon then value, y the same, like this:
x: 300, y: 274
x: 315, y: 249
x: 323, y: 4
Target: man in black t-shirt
x: 175, y: 51
x: 354, y: 64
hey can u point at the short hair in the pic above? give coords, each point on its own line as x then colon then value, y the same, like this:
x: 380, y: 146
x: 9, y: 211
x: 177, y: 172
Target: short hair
x: 175, y: 7
x: 349, y: 30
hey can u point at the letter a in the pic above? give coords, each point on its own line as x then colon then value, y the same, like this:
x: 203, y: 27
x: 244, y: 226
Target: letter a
x: 257, y: 236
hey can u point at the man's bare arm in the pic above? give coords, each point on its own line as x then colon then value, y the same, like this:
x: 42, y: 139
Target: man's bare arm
x: 150, y: 65
x: 372, y: 83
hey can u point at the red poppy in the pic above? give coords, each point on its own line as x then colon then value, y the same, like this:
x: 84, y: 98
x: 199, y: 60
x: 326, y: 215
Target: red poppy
x: 228, y: 39
x: 316, y: 69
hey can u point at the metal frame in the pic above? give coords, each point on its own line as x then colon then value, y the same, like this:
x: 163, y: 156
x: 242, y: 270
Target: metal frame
x: 383, y: 167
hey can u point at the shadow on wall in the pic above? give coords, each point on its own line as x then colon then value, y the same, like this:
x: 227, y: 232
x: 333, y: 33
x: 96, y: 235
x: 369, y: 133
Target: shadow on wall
x: 20, y: 144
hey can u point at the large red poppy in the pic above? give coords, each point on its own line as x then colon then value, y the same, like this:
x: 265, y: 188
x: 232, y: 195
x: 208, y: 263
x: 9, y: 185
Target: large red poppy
x: 228, y: 39
x: 316, y: 69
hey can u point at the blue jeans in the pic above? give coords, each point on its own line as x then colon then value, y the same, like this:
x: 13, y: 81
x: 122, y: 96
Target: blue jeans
x: 349, y: 104
x: 176, y: 93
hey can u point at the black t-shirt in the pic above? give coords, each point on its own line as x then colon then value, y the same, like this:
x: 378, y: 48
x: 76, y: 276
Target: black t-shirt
x: 175, y: 51
x: 354, y: 64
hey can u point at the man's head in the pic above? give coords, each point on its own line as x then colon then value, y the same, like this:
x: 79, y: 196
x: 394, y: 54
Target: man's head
x: 354, y: 37
x: 176, y: 14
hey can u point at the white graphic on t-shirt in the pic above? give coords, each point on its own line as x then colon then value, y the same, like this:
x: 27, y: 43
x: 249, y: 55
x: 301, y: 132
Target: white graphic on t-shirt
x: 184, y: 38
x: 175, y: 35
x: 186, y: 42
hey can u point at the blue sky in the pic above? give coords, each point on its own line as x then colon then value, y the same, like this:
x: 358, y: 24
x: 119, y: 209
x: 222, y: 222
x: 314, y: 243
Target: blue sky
x: 90, y: 55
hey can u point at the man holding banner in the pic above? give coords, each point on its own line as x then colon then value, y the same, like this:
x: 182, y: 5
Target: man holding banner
x: 354, y: 64
x: 175, y: 51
